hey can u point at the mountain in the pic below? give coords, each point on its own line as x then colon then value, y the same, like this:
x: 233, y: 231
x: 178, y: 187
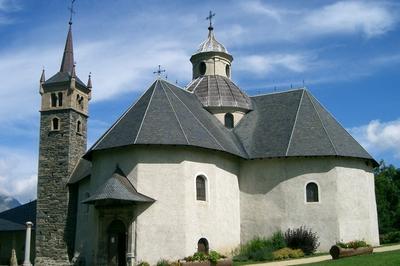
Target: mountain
x: 7, y: 202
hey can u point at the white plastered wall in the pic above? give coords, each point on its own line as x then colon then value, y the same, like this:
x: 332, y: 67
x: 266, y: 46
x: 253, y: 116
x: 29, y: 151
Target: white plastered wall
x: 273, y: 198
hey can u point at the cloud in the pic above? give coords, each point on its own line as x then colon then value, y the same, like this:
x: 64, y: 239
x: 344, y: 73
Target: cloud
x: 379, y: 137
x: 370, y: 18
x: 18, y: 176
x: 256, y: 7
x: 267, y: 63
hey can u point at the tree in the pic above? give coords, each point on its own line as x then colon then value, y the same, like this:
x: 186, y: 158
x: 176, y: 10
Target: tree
x: 387, y: 190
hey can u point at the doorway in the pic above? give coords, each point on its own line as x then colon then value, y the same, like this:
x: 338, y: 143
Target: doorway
x: 117, y: 243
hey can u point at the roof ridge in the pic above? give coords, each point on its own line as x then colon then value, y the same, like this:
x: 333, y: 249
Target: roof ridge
x: 176, y: 116
x: 145, y: 113
x: 278, y: 92
x: 209, y: 133
x: 219, y: 92
x: 233, y: 96
x: 116, y: 122
x: 294, y: 124
x: 322, y: 123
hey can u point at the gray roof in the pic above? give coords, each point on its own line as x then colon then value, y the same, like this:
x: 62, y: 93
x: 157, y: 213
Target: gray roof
x: 294, y: 123
x: 61, y: 77
x: 287, y: 124
x: 82, y: 170
x: 67, y: 62
x: 219, y: 91
x: 168, y: 115
x: 117, y: 189
x: 211, y: 44
x: 18, y: 216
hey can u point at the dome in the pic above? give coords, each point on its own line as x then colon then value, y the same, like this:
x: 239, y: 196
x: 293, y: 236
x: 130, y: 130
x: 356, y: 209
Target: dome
x: 211, y: 44
x: 219, y: 92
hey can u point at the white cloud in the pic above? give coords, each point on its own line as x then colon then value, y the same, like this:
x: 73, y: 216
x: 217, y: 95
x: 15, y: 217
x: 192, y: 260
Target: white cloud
x: 256, y: 7
x: 18, y: 176
x: 371, y: 18
x: 379, y: 137
x: 263, y: 64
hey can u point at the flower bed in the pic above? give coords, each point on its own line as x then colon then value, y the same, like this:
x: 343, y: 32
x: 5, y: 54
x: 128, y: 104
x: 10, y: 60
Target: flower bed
x: 353, y: 248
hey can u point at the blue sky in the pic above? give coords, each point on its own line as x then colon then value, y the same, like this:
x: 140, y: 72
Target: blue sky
x: 347, y: 53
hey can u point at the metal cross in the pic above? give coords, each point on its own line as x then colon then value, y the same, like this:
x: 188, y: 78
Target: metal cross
x: 159, y: 71
x: 71, y: 9
x: 210, y: 16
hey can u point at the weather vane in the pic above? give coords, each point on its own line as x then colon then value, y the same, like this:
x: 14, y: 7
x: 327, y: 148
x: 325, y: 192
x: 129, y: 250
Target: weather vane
x: 71, y: 9
x: 209, y: 17
x: 159, y: 71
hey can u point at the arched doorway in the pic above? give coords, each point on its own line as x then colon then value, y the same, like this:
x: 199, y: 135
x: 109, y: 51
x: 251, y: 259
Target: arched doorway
x: 117, y: 243
x: 202, y: 246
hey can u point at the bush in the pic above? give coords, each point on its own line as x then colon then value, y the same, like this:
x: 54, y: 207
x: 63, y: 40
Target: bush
x: 286, y: 253
x: 214, y: 256
x: 163, y: 262
x: 302, y: 238
x: 353, y: 244
x: 143, y: 263
x: 278, y: 241
x: 392, y: 237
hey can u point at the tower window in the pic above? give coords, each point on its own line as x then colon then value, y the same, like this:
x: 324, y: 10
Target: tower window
x: 60, y: 99
x: 228, y: 71
x: 78, y: 126
x: 53, y: 100
x: 202, y: 68
x: 55, y: 124
x: 312, y: 192
x: 229, y: 123
x: 201, y: 188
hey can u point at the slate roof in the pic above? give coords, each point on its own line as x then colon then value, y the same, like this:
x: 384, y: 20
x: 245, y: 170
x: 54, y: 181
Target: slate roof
x: 60, y: 77
x: 14, y: 219
x: 168, y: 115
x: 219, y: 91
x: 294, y: 123
x: 82, y: 170
x: 117, y: 188
x: 287, y: 124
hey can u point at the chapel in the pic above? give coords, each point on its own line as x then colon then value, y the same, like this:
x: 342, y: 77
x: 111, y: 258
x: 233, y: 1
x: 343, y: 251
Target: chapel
x: 195, y: 168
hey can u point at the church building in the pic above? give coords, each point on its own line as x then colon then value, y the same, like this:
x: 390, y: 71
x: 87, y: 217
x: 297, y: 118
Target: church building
x: 204, y: 167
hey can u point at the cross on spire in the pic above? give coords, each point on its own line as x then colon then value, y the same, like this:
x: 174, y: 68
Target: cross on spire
x: 159, y: 71
x: 71, y: 9
x: 209, y: 17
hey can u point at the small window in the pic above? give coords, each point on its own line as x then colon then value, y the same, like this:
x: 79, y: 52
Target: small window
x: 55, y: 124
x: 228, y: 71
x: 202, y: 68
x: 53, y: 100
x: 201, y: 188
x: 229, y: 123
x: 312, y: 192
x: 202, y: 246
x: 60, y: 99
x: 78, y: 126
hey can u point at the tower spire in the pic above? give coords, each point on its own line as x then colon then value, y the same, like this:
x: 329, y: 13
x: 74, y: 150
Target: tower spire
x: 67, y: 62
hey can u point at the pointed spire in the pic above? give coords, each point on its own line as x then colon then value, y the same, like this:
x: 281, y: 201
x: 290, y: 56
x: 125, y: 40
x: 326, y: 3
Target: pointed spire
x: 42, y: 81
x: 73, y: 74
x: 67, y: 63
x: 89, y: 83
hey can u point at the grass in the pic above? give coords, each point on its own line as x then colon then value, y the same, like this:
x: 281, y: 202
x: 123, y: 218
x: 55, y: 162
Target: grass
x: 239, y: 263
x: 375, y: 259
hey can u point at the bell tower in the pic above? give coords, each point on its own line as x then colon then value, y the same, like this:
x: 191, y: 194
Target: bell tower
x: 63, y: 137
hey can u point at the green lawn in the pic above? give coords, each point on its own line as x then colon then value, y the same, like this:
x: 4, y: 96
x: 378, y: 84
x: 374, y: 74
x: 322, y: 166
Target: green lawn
x: 376, y: 259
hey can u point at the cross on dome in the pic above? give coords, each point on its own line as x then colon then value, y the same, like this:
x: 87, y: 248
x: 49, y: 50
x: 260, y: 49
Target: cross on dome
x: 209, y: 17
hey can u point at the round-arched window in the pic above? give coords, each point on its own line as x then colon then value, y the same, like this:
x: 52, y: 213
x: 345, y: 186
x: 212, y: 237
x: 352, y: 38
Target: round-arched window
x: 229, y: 123
x: 312, y: 192
x: 202, y: 68
x: 228, y: 71
x: 201, y: 188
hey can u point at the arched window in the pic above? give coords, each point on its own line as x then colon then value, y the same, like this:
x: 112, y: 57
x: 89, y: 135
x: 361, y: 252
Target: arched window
x: 201, y: 188
x: 60, y: 99
x: 202, y: 68
x: 78, y: 126
x: 229, y: 123
x: 55, y: 123
x: 53, y: 100
x: 228, y: 71
x: 312, y: 192
x: 202, y: 246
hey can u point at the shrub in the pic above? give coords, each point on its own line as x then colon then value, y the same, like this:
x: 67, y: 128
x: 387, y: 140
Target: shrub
x: 286, y: 253
x: 199, y: 256
x: 214, y: 256
x: 163, y: 262
x: 302, y: 238
x: 143, y: 263
x: 278, y: 241
x: 392, y: 237
x: 353, y: 244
